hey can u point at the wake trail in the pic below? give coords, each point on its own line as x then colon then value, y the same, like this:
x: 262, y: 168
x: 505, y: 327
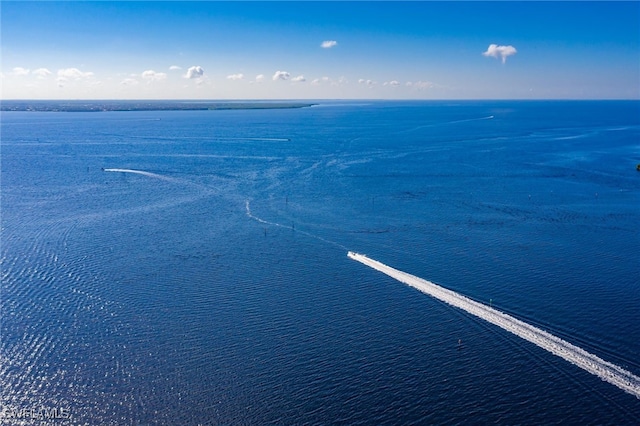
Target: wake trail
x: 589, y: 362
x: 207, y: 190
x: 143, y: 173
x: 308, y: 234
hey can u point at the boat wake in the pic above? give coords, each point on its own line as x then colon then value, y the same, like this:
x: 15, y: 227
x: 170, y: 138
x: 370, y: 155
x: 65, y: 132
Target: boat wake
x: 605, y: 370
x: 143, y: 173
x: 292, y: 227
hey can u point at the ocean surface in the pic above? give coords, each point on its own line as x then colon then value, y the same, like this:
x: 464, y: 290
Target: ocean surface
x: 190, y: 267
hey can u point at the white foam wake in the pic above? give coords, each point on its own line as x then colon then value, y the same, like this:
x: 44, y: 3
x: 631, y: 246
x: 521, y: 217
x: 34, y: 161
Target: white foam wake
x: 605, y: 370
x: 257, y: 219
x: 292, y: 227
x: 141, y: 172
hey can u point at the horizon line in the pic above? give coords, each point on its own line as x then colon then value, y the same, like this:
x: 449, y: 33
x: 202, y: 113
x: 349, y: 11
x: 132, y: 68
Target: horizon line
x: 305, y: 99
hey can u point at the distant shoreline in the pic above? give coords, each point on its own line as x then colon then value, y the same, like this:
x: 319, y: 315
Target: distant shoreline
x: 104, y: 106
x: 221, y: 105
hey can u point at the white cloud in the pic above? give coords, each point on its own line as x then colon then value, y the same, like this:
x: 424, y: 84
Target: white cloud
x: 259, y: 78
x: 366, y: 82
x: 174, y: 68
x: 328, y: 44
x: 393, y: 83
x: 281, y: 75
x: 129, y: 82
x: 239, y: 76
x: 317, y: 81
x: 41, y: 73
x: 299, y: 79
x: 421, y: 85
x: 151, y: 75
x: 500, y: 51
x: 194, y: 72
x: 72, y: 73
x: 20, y: 71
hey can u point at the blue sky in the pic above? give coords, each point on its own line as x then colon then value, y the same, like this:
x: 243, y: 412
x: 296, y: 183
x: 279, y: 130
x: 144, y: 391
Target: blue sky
x: 274, y: 50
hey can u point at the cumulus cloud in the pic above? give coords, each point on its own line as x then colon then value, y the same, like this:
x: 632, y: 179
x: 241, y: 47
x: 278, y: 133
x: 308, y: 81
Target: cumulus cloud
x: 67, y: 74
x: 194, y: 72
x: 20, y: 71
x: 317, y: 81
x: 41, y: 73
x: 366, y: 82
x: 260, y: 78
x: 151, y: 75
x: 281, y: 75
x: 72, y: 73
x: 328, y: 44
x: 239, y: 76
x: 174, y: 68
x: 393, y: 83
x: 500, y: 51
x: 299, y: 79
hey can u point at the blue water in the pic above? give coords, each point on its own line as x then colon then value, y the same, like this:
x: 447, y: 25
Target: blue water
x: 216, y: 289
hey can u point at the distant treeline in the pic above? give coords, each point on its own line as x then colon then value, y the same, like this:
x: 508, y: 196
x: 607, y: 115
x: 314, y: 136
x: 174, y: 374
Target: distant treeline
x: 97, y: 106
